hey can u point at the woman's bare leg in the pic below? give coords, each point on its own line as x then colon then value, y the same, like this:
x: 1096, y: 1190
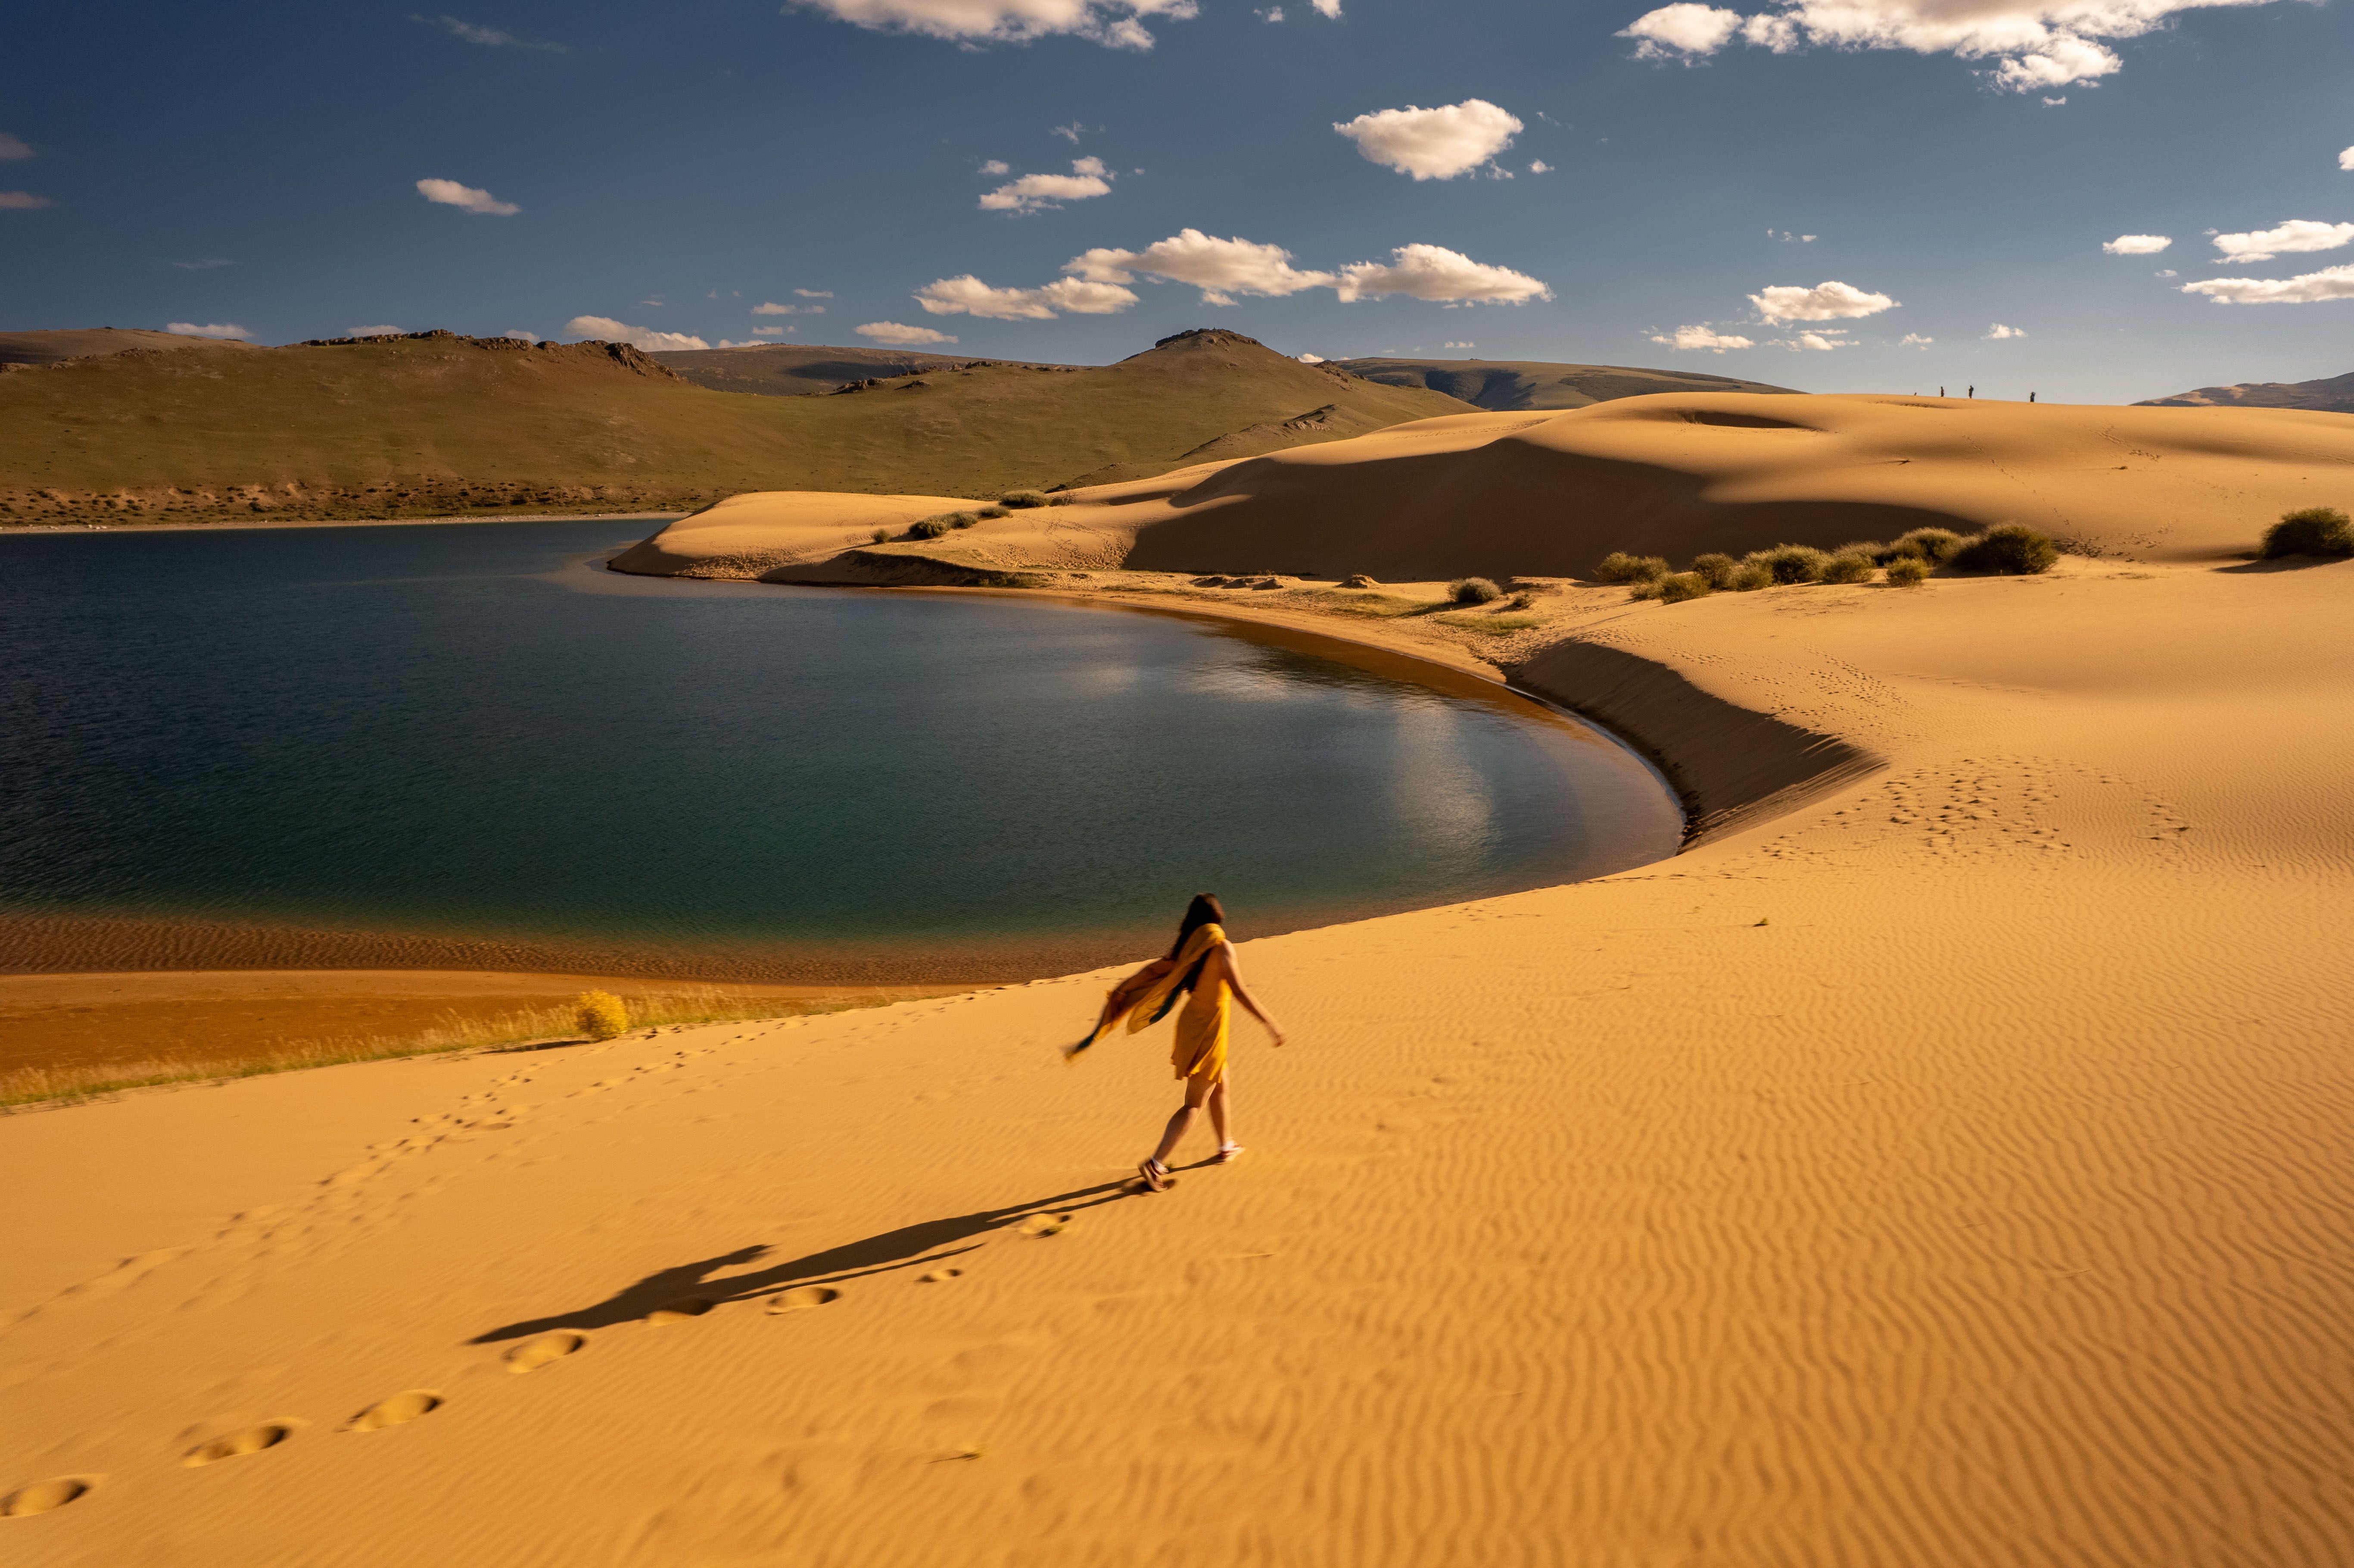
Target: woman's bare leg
x: 1196, y: 1091
x: 1219, y: 1124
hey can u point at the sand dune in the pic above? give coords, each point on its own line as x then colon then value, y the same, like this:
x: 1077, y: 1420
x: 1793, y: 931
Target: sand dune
x: 1941, y: 1164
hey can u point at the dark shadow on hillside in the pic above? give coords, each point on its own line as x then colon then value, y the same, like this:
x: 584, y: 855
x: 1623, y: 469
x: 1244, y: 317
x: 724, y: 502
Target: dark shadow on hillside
x: 2280, y: 564
x: 928, y: 1241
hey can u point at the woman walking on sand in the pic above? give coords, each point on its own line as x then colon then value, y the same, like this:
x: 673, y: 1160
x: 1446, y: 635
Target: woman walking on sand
x: 1201, y: 966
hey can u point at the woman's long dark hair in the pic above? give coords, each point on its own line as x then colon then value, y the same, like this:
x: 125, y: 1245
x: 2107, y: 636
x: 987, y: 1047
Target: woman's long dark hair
x: 1205, y: 910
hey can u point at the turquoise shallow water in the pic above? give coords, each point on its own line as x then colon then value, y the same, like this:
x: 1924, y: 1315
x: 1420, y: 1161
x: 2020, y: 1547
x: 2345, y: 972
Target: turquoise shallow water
x: 474, y: 729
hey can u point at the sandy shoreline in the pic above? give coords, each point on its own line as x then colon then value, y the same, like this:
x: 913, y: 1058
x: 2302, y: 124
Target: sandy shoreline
x: 1940, y: 1163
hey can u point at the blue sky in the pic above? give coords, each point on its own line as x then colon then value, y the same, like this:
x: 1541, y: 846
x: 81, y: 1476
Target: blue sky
x: 672, y: 167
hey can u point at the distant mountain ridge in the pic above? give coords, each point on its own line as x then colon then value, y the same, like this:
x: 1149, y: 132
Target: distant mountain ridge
x: 2331, y: 395
x: 435, y: 424
x: 1506, y: 385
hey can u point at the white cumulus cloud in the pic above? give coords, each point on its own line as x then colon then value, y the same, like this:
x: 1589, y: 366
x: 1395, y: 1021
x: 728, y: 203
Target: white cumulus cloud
x: 2033, y: 45
x: 380, y: 330
x: 1827, y: 301
x: 900, y: 334
x: 214, y: 329
x: 769, y: 308
x: 814, y: 293
x: 2305, y: 288
x: 2346, y: 159
x: 1031, y: 193
x: 1115, y: 24
x: 1685, y: 31
x: 2298, y: 234
x: 1703, y: 339
x: 1311, y: 358
x: 1435, y: 272
x: 645, y: 338
x: 520, y: 333
x: 1326, y: 8
x: 13, y: 148
x: 2136, y: 244
x: 1221, y: 269
x: 1997, y: 333
x: 1821, y: 342
x: 465, y: 198
x: 1915, y: 339
x: 997, y: 166
x: 1433, y: 143
x: 23, y: 201
x: 969, y: 296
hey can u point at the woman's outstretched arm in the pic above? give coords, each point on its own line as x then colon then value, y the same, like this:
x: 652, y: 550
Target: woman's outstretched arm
x: 1242, y: 993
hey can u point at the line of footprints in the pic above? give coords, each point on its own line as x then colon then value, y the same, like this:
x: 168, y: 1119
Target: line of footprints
x: 42, y: 1497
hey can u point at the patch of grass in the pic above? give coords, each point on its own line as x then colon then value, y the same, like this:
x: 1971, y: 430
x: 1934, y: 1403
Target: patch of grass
x: 1935, y: 546
x: 1495, y: 625
x: 1720, y: 571
x: 1849, y: 565
x: 1792, y: 564
x: 600, y: 1015
x: 881, y: 535
x: 1908, y: 571
x: 1618, y: 567
x: 1376, y: 606
x: 2310, y: 530
x: 530, y: 1026
x: 2009, y: 550
x: 1019, y: 499
x: 1473, y: 590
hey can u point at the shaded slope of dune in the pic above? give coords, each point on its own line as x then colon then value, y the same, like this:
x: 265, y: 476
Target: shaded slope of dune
x: 1505, y: 384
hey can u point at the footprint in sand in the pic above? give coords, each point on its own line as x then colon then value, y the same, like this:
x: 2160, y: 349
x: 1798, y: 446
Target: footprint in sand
x: 1043, y: 1224
x: 43, y: 1496
x: 533, y: 1354
x: 680, y: 1310
x: 398, y: 1411
x: 801, y: 1298
x: 251, y: 1440
x: 939, y: 1276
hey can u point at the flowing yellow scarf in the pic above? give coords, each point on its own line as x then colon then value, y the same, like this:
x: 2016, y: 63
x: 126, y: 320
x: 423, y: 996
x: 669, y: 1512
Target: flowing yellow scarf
x: 1145, y: 997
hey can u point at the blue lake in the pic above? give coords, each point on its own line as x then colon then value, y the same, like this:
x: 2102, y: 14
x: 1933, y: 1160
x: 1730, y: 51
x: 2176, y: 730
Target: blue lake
x: 475, y: 732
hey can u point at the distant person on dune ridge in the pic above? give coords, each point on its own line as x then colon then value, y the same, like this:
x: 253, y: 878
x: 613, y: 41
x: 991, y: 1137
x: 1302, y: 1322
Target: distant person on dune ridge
x: 1201, y: 966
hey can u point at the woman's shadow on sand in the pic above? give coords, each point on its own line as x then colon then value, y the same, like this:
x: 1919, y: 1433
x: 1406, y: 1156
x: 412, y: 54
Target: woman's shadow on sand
x: 904, y: 1248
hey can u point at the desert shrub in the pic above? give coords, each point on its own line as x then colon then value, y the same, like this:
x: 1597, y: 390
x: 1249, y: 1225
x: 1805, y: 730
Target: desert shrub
x: 992, y: 512
x: 1872, y: 550
x: 1618, y: 567
x: 1751, y: 577
x: 880, y: 534
x: 2313, y: 531
x: 1720, y: 571
x: 1683, y: 586
x: 2009, y: 550
x: 1061, y: 498
x: 1473, y: 590
x: 1787, y: 563
x: 1021, y: 498
x: 1850, y: 566
x: 600, y: 1015
x: 928, y: 527
x: 1907, y: 571
x: 1935, y: 546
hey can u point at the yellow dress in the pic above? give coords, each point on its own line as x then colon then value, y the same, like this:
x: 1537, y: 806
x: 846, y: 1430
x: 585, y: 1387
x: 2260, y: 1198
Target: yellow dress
x: 1143, y: 998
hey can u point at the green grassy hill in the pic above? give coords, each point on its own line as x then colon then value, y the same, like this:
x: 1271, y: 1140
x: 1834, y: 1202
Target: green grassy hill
x: 432, y: 424
x: 1507, y: 384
